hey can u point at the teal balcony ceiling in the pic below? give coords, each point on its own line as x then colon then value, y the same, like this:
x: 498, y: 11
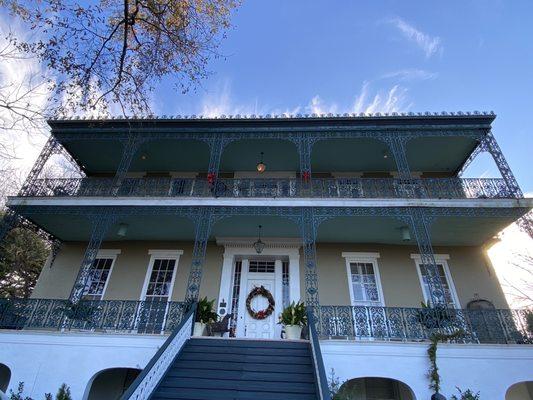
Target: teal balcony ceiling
x: 445, y: 231
x: 438, y: 143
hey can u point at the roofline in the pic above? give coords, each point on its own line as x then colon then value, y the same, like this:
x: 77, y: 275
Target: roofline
x: 377, y: 119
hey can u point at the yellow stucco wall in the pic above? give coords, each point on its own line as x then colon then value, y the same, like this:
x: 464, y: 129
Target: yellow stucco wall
x: 470, y: 271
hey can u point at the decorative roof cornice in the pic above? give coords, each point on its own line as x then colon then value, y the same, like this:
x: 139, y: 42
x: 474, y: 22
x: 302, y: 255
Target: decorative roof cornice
x: 245, y: 117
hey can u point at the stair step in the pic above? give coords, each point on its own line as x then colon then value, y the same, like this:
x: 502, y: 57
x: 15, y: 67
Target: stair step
x: 218, y: 394
x: 278, y: 344
x: 271, y: 351
x: 265, y: 359
x: 233, y: 369
x: 242, y: 375
x: 170, y: 384
x: 240, y: 366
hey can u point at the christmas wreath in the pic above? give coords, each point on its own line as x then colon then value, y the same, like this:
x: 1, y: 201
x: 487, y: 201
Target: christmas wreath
x: 261, y: 314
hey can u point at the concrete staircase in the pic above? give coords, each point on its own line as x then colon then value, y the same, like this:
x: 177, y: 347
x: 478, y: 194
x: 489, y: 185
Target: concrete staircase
x: 240, y: 369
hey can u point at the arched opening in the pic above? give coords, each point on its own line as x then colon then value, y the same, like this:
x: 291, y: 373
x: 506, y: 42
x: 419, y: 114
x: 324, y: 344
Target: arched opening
x: 373, y: 388
x: 520, y: 391
x: 5, y: 377
x: 110, y: 384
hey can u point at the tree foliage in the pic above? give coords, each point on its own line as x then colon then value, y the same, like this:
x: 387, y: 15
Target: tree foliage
x: 22, y: 256
x: 108, y: 52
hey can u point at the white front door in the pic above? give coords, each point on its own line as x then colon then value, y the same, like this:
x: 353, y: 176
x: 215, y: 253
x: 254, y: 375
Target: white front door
x: 257, y: 274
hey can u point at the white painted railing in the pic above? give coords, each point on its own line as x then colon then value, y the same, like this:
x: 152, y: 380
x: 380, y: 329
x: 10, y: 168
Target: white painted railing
x: 147, y: 381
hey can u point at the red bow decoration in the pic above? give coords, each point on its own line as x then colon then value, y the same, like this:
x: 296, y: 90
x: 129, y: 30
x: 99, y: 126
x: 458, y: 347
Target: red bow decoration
x: 211, y: 177
x: 306, y: 175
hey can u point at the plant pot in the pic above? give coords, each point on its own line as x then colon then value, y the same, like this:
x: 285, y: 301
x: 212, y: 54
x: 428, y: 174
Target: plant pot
x: 293, y: 332
x: 199, y: 328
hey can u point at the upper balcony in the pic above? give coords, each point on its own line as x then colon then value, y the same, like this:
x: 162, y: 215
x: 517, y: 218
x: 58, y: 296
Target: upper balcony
x: 332, y: 157
x: 321, y: 188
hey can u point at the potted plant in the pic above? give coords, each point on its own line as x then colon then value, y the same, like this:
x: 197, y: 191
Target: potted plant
x: 204, y: 315
x: 293, y: 318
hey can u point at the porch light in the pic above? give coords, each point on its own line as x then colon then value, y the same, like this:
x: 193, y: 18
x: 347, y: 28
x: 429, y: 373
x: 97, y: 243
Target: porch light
x: 406, y: 235
x: 385, y: 154
x: 122, y: 230
x: 261, y: 165
x: 259, y: 245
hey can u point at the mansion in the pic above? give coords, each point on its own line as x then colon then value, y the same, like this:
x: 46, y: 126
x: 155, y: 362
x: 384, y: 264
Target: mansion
x: 364, y: 219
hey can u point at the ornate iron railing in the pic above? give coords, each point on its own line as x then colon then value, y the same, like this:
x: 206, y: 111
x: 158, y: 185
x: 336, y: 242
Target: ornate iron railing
x: 418, y: 324
x: 144, y: 385
x: 446, y: 188
x: 123, y: 316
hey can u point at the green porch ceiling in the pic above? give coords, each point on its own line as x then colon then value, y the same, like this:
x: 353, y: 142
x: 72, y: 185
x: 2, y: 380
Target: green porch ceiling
x: 459, y: 231
x: 430, y: 154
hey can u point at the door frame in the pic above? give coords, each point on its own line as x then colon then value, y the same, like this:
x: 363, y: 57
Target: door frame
x: 278, y: 298
x: 242, y: 248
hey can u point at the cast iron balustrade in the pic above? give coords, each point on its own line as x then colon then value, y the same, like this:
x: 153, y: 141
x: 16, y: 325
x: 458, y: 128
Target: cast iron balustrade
x: 122, y: 316
x: 417, y: 324
x: 434, y: 188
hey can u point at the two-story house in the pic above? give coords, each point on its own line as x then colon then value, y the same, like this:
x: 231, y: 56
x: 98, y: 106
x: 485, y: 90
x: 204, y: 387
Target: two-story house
x: 363, y: 218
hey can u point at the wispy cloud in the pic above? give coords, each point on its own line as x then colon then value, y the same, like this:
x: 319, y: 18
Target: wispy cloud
x: 429, y: 44
x: 220, y: 102
x: 410, y: 74
x: 368, y: 100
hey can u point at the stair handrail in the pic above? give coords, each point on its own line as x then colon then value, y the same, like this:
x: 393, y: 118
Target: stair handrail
x: 146, y: 382
x: 320, y: 371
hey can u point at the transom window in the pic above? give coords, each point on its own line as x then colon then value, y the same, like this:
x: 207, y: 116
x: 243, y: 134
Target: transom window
x: 100, y: 271
x: 159, y: 285
x: 363, y: 278
x: 262, y: 266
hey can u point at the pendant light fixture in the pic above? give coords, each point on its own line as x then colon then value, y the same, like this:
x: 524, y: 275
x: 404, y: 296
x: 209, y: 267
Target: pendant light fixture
x: 259, y: 245
x: 406, y: 235
x: 261, y: 165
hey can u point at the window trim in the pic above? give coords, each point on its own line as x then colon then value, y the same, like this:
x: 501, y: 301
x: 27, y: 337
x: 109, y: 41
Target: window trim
x: 161, y: 255
x: 362, y: 257
x: 439, y: 259
x: 106, y: 254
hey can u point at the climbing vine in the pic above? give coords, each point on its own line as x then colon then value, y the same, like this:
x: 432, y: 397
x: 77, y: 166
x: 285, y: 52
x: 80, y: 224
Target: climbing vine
x: 433, y: 373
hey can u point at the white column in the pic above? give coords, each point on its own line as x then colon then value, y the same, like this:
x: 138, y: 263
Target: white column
x: 278, y: 296
x: 294, y: 278
x: 242, y: 297
x: 224, y: 294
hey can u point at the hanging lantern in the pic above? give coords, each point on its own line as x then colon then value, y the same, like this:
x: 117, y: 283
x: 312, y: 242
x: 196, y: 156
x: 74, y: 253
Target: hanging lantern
x: 261, y: 167
x: 259, y: 245
x: 406, y: 235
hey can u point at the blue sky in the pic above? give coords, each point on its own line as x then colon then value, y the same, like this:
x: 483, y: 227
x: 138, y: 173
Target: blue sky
x: 345, y: 56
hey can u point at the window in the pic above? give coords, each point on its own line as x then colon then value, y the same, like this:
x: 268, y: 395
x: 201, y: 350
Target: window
x: 157, y: 290
x: 99, y: 274
x: 262, y: 266
x: 450, y: 296
x: 285, y: 284
x: 161, y: 276
x: 363, y: 278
